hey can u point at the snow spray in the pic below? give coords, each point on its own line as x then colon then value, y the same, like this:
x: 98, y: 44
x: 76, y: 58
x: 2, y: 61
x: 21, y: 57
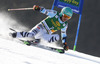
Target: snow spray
x: 7, y: 21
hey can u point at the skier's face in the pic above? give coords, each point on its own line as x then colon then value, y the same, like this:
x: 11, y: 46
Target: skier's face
x: 65, y: 17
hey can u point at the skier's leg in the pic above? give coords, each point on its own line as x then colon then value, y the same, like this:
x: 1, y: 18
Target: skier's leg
x: 31, y: 33
x: 51, y: 38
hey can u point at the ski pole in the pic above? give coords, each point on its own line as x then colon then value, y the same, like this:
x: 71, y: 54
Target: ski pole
x: 20, y: 9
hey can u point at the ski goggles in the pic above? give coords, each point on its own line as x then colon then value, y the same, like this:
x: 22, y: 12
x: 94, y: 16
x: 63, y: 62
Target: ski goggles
x: 65, y: 16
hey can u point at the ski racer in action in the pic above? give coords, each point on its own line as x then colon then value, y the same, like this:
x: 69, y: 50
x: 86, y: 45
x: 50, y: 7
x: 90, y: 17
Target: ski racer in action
x: 54, y: 22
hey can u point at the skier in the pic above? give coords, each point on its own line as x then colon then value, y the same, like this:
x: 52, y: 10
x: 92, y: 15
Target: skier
x: 54, y: 22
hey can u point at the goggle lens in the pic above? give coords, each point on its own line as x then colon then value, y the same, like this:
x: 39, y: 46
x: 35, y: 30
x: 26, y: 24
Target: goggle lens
x: 65, y: 16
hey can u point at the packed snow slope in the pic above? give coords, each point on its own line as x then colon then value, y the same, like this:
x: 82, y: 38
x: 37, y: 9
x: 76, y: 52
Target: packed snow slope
x: 12, y: 52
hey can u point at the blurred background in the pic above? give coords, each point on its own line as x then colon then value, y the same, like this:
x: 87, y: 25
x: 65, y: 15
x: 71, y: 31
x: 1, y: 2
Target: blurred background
x: 89, y: 34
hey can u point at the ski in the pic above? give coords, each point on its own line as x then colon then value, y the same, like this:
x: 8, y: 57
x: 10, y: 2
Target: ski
x: 29, y: 43
x: 44, y: 47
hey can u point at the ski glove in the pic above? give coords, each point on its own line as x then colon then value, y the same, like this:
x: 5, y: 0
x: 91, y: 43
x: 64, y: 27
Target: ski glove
x: 13, y: 34
x: 36, y: 8
x: 65, y: 46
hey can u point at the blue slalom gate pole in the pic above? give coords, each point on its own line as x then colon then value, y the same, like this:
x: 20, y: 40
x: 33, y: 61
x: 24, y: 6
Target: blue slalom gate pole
x: 53, y: 5
x: 77, y: 32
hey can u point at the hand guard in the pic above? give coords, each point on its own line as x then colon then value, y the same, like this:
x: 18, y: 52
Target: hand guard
x: 36, y: 8
x: 65, y: 46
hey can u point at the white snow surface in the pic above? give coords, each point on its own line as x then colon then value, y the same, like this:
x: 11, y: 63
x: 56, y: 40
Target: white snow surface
x: 12, y: 52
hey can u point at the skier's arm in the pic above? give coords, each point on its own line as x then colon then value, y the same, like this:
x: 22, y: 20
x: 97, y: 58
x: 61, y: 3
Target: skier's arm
x: 64, y: 36
x: 50, y: 13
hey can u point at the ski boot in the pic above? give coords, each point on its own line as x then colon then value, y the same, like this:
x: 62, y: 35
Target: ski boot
x: 27, y: 43
x: 34, y: 42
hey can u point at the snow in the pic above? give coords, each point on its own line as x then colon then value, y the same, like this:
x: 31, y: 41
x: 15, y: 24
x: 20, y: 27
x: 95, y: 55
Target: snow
x: 12, y: 52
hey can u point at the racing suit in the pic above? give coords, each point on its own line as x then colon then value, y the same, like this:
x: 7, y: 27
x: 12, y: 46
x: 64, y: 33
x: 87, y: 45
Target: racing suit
x: 47, y: 27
